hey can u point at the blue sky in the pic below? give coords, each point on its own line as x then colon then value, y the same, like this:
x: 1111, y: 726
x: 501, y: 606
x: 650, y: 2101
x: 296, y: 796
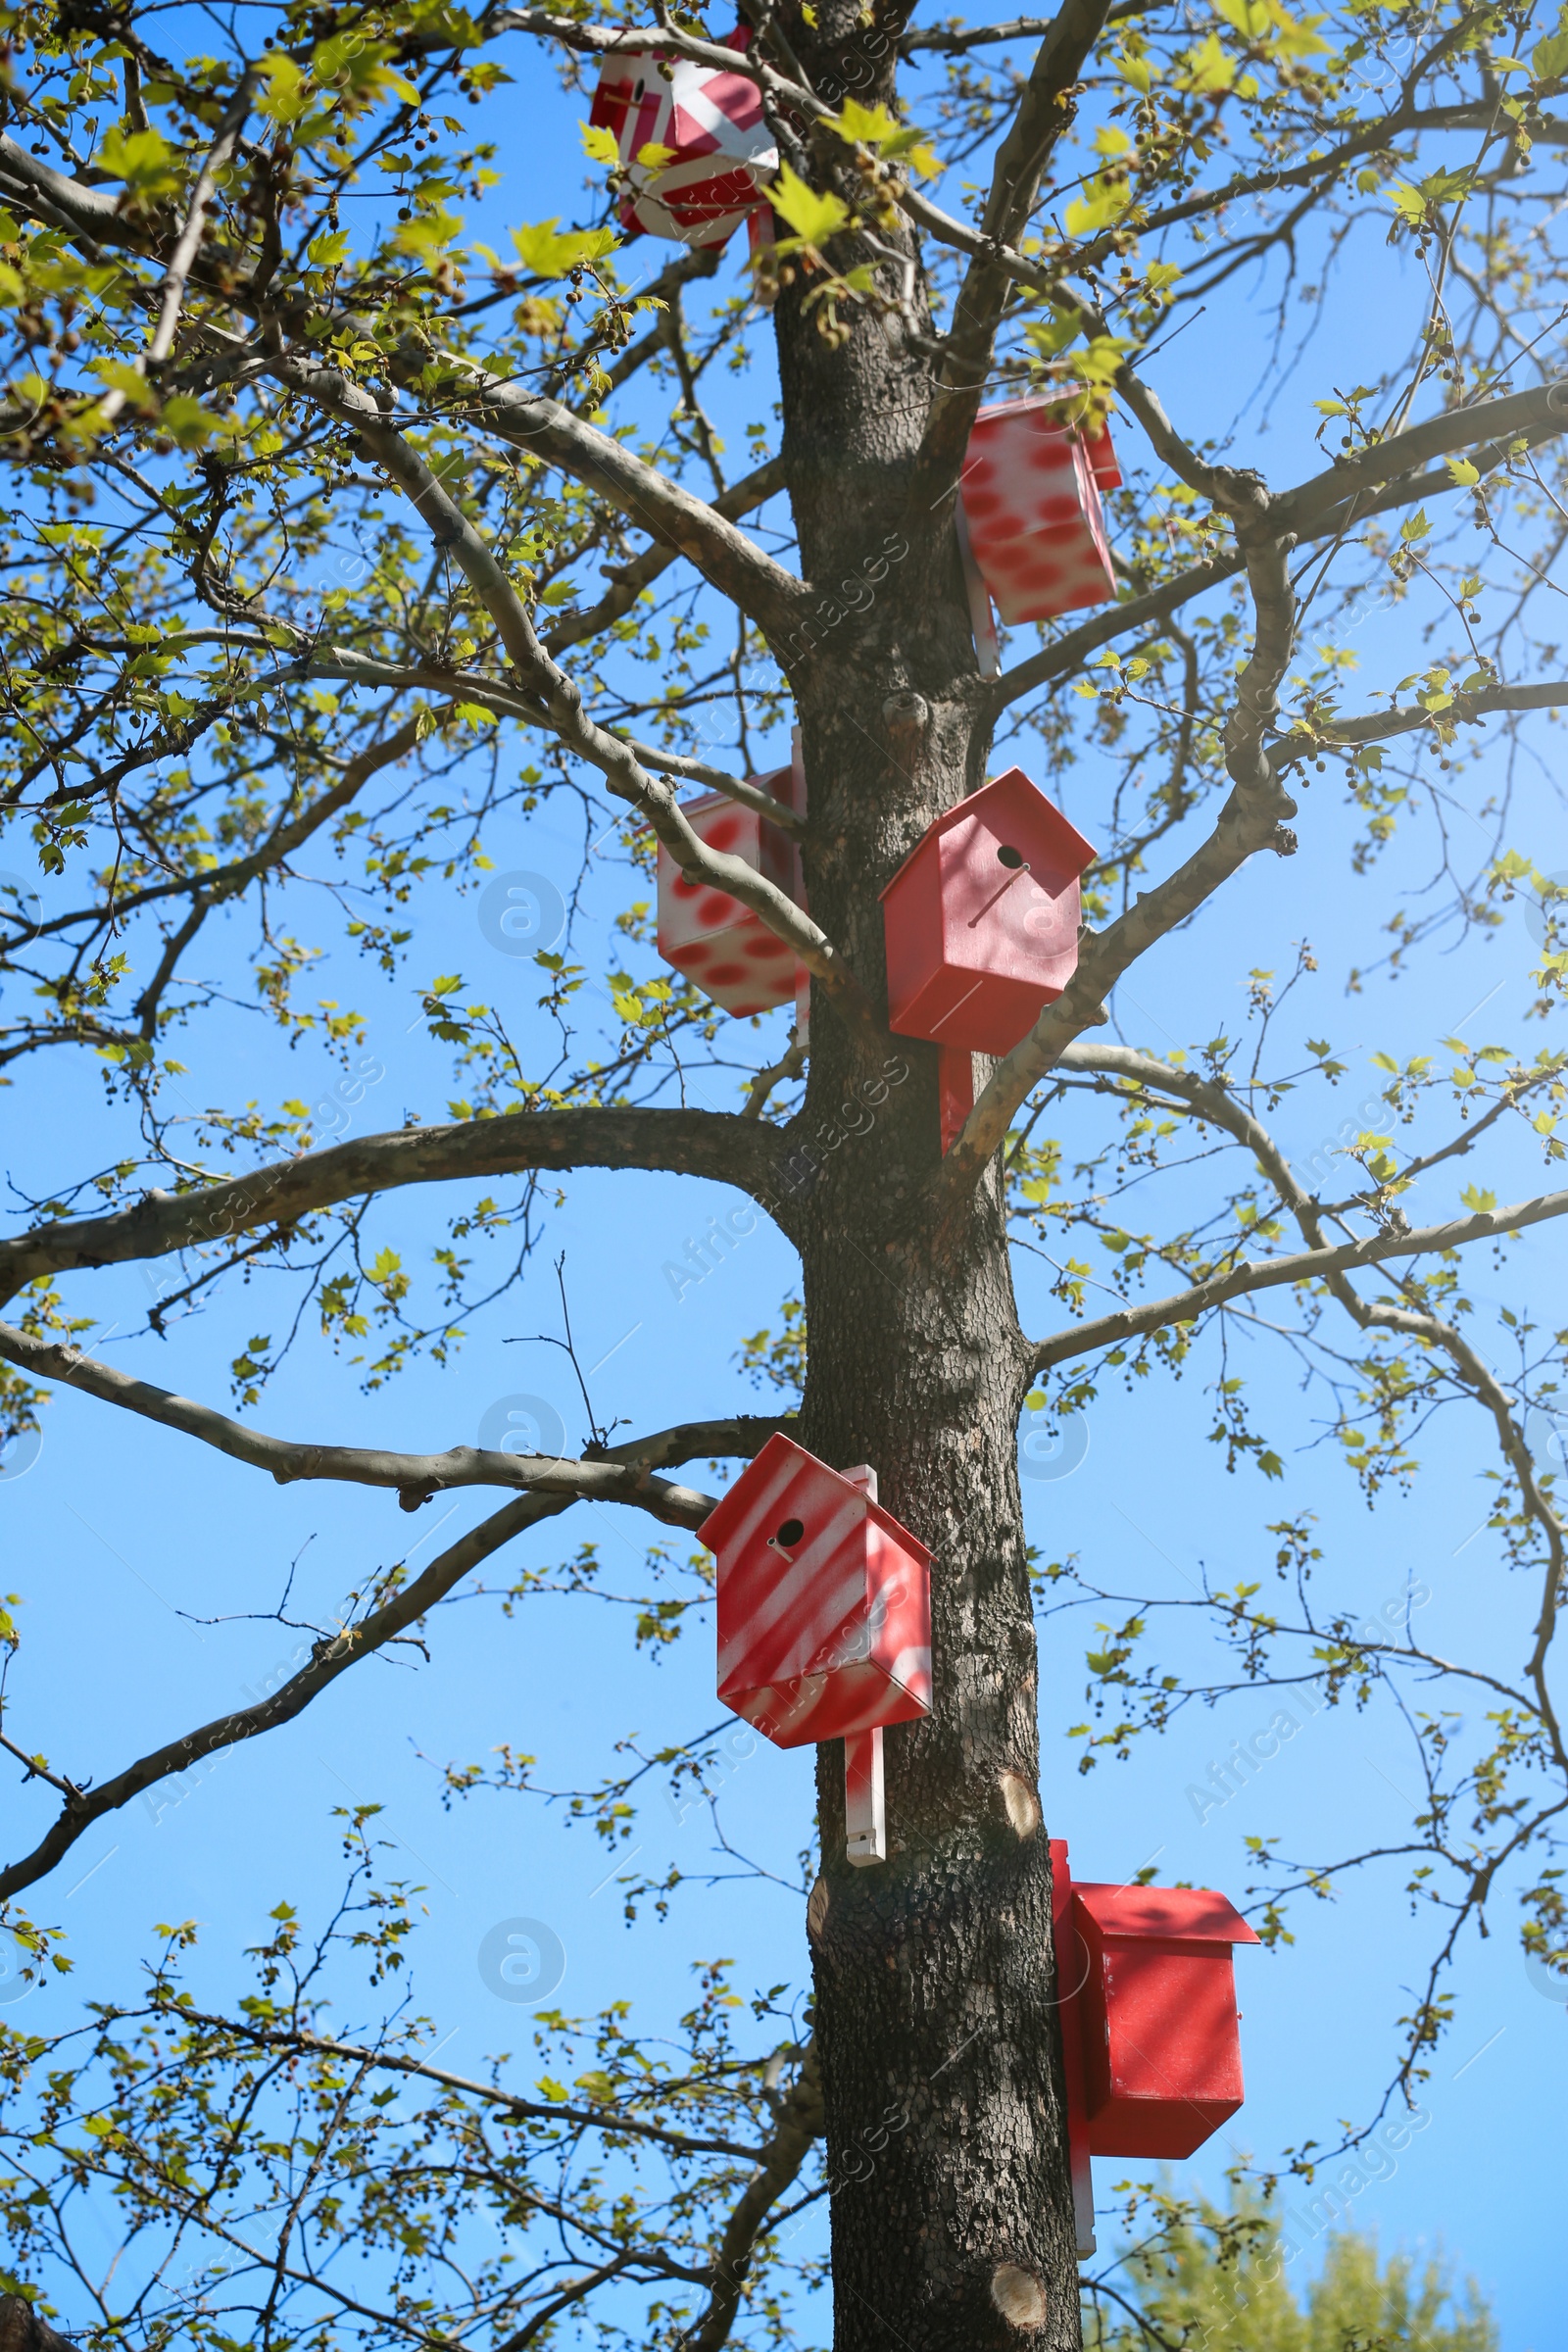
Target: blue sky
x: 123, y: 1536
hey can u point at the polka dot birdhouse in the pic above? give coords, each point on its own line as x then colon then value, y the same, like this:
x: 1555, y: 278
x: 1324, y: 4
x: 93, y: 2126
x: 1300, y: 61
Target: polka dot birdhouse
x: 719, y: 151
x: 721, y: 946
x: 824, y: 1617
x: 1031, y: 490
x: 1151, y: 2029
x: 981, y: 919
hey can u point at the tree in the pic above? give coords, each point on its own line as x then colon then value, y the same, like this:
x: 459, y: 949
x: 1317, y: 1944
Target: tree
x: 273, y: 2182
x: 298, y: 503
x: 1220, y: 2272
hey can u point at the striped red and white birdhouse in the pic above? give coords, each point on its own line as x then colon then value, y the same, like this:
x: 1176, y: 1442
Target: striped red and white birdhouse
x: 721, y: 152
x: 1030, y: 491
x: 824, y: 1617
x: 721, y: 946
x: 981, y: 926
x: 1151, y: 2029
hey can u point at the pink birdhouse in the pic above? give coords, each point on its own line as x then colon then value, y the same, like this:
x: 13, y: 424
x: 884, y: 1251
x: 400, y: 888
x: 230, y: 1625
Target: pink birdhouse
x: 720, y: 151
x: 1031, y: 506
x: 1151, y: 2029
x: 824, y: 1617
x: 726, y: 950
x: 981, y: 926
x: 981, y: 919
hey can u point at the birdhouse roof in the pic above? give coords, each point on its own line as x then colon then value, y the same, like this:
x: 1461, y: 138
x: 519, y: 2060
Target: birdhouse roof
x: 1014, y: 806
x: 778, y: 783
x: 1183, y: 1914
x: 723, y: 1520
x: 1051, y: 408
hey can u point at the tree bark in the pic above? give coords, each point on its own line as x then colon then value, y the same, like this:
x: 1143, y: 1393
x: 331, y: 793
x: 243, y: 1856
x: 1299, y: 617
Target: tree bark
x: 22, y: 2330
x: 951, y: 2205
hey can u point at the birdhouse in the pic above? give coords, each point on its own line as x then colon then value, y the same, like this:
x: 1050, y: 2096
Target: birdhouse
x: 1151, y: 2029
x: 718, y: 151
x: 824, y: 1617
x: 981, y: 919
x: 1030, y: 490
x: 1162, y: 2053
x: 721, y: 946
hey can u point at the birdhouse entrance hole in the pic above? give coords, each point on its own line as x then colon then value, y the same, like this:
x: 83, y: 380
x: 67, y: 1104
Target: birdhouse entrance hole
x: 973, y: 954
x: 824, y: 1623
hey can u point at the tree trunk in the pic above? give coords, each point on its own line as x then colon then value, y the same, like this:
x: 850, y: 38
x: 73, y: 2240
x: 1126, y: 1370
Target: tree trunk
x: 951, y: 2204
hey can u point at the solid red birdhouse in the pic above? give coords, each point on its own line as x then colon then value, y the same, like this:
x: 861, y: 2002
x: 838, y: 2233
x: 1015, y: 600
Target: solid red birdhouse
x: 719, y: 151
x: 729, y: 951
x: 981, y: 919
x: 824, y: 1617
x: 1150, y: 2023
x: 1031, y: 487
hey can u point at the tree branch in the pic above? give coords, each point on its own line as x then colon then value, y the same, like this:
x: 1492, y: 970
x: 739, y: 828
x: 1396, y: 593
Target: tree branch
x: 1215, y: 1104
x: 630, y: 579
x: 690, y: 1143
x: 342, y: 662
x: 1045, y: 114
x: 725, y: 556
x: 1304, y: 743
x: 801, y: 2122
x: 559, y: 700
x: 1303, y: 1265
x: 489, y: 2095
x: 1067, y: 654
x: 416, y: 1476
x: 706, y: 535
x: 1251, y: 819
x: 1494, y: 421
x: 189, y: 242
x: 223, y: 882
x: 329, y: 1656
x: 90, y: 212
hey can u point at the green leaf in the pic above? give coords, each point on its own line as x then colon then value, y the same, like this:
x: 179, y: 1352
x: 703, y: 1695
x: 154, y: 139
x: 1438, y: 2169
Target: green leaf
x: 813, y: 216
x: 1052, y: 337
x: 1548, y: 59
x: 146, y: 163
x: 428, y: 238
x: 866, y: 125
x: 327, y: 250
x: 120, y: 376
x: 1463, y: 473
x: 548, y: 251
x: 599, y: 144
x: 1207, y: 69
x: 1103, y: 200
x: 187, y: 423
x: 285, y: 97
